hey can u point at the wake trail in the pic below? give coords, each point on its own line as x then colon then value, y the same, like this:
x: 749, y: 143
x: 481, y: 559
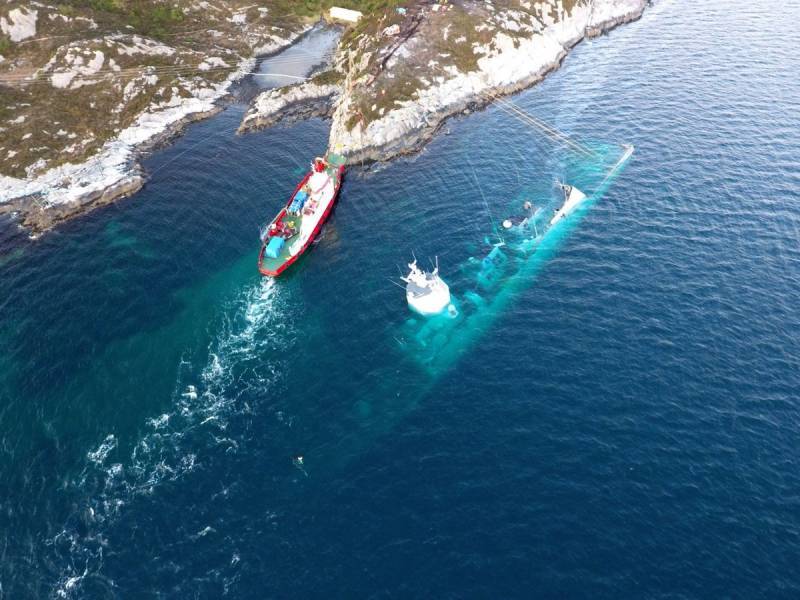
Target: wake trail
x: 252, y: 329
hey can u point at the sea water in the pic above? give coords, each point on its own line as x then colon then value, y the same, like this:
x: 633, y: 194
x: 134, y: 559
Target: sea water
x: 512, y: 256
x: 624, y: 425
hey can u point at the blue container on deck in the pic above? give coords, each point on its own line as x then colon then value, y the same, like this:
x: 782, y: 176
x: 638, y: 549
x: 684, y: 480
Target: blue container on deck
x: 298, y: 202
x: 274, y: 247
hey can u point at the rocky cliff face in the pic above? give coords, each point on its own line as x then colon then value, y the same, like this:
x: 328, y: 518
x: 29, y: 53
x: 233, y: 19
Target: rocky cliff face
x: 85, y: 85
x: 83, y: 89
x: 402, y: 81
x: 311, y: 98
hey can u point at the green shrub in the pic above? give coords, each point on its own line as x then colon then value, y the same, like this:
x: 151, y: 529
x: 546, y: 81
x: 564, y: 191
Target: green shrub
x: 104, y: 5
x: 154, y: 21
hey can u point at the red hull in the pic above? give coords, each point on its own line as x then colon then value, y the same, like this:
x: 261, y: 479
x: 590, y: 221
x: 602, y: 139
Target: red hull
x: 274, y: 273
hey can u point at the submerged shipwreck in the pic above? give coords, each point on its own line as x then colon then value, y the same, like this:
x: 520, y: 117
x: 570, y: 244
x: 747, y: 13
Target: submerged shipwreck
x: 493, y: 273
x: 514, y: 254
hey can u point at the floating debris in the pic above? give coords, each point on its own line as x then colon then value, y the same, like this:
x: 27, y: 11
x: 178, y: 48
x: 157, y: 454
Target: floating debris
x: 297, y: 461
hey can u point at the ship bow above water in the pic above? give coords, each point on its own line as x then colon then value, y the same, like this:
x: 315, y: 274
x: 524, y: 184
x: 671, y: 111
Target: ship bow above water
x: 287, y: 237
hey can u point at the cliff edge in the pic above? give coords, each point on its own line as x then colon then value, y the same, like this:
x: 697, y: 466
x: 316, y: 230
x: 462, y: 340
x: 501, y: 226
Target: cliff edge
x: 402, y: 79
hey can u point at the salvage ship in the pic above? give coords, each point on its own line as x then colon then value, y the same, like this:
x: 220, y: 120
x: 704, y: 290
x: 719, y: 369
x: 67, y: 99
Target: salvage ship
x: 298, y: 223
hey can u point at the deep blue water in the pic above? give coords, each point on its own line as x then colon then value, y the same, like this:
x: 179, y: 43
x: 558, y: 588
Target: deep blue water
x: 626, y: 426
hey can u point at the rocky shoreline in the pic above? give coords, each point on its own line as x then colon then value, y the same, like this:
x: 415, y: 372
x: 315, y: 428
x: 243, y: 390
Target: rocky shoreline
x: 517, y: 65
x: 37, y: 216
x: 505, y: 66
x: 39, y: 203
x: 407, y: 128
x: 290, y: 104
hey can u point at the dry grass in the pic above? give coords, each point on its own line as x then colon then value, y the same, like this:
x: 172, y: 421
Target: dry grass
x: 378, y: 75
x: 380, y: 85
x: 94, y: 113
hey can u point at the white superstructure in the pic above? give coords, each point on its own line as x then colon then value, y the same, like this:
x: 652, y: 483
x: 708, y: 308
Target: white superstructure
x: 426, y: 292
x: 572, y: 198
x: 321, y: 192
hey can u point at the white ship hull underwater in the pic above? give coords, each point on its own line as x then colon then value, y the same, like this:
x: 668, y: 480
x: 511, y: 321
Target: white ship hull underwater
x: 485, y: 285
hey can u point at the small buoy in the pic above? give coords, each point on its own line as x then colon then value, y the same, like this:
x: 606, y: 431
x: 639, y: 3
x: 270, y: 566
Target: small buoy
x: 508, y: 224
x: 297, y: 461
x: 451, y: 310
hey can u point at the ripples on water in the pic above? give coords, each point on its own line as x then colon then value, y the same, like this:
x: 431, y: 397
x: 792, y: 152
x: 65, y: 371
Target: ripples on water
x: 628, y: 426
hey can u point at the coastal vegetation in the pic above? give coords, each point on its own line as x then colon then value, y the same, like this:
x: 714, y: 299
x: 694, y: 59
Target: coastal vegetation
x: 86, y: 69
x: 316, y: 8
x: 85, y: 84
x: 82, y: 71
x: 393, y: 57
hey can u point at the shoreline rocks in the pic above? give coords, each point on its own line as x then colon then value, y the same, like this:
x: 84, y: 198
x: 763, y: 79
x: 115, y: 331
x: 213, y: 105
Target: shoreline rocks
x: 509, y: 64
x: 515, y: 65
x: 289, y: 104
x: 69, y: 190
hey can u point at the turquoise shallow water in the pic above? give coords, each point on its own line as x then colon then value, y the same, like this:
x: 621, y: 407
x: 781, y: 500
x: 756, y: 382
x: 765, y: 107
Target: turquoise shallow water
x: 624, y: 425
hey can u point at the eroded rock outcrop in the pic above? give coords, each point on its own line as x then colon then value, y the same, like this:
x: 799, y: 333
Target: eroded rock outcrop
x: 81, y: 101
x: 290, y: 103
x: 398, y: 93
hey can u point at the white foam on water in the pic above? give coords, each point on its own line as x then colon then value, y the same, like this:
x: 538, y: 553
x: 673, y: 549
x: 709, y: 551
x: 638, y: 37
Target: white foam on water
x: 99, y: 456
x: 254, y: 327
x: 204, y: 532
x: 71, y: 584
x: 159, y: 422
